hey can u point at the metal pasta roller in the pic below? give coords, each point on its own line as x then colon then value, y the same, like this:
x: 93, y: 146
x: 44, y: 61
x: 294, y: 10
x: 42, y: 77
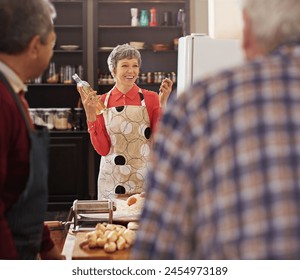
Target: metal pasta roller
x: 83, y: 211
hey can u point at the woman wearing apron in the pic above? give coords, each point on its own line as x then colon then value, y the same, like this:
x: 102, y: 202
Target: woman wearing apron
x: 122, y: 133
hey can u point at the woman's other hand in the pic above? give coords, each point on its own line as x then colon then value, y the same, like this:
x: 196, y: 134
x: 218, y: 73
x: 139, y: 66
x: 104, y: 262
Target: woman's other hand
x: 165, y: 91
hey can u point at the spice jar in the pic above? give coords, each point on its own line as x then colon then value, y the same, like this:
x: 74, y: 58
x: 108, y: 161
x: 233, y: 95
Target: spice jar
x: 62, y: 119
x: 149, y: 77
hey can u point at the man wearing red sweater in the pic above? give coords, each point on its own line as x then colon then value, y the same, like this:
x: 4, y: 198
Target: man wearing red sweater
x: 25, y: 52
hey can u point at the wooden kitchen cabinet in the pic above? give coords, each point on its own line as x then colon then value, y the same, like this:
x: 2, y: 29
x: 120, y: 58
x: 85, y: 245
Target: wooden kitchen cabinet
x: 70, y: 50
x: 73, y: 169
x: 113, y: 27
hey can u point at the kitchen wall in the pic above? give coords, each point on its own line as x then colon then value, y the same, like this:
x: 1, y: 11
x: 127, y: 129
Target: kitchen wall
x: 199, y: 16
x: 217, y: 18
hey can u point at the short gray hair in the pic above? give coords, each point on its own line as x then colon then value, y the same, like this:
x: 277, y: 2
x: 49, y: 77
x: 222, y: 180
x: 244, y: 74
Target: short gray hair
x: 274, y: 21
x: 121, y: 52
x: 20, y: 21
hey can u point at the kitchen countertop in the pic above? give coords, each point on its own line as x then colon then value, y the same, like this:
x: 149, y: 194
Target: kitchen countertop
x: 122, y: 215
x: 69, y: 245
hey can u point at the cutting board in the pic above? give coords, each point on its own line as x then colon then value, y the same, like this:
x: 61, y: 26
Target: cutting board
x: 86, y: 253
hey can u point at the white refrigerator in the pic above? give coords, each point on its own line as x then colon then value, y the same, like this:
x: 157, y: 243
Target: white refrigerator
x: 200, y: 56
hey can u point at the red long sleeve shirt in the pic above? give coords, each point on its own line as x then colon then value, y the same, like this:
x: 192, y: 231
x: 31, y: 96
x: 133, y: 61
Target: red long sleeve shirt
x: 97, y: 129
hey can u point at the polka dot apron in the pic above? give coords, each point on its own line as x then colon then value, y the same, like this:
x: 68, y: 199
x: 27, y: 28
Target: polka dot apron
x: 123, y: 169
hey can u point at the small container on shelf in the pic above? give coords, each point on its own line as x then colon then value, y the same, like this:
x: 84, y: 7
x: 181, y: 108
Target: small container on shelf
x: 175, y: 43
x: 52, y: 76
x: 149, y: 78
x: 62, y: 119
x: 134, y: 16
x: 144, y: 20
x: 68, y: 72
x: 44, y: 117
x: 153, y: 21
x: 173, y: 77
x: 167, y: 18
x: 143, y: 78
x: 78, y: 119
x: 48, y: 118
x: 38, y: 80
x: 32, y: 113
x: 80, y: 71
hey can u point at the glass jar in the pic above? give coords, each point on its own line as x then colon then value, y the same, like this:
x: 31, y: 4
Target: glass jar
x: 38, y: 118
x: 44, y: 117
x: 52, y: 76
x: 68, y: 72
x: 48, y: 118
x: 62, y: 119
x: 78, y: 119
x: 32, y: 112
x: 149, y: 77
x: 143, y: 78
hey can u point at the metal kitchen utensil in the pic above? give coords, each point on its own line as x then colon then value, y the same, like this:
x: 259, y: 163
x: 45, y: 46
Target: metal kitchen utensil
x: 84, y: 214
x: 82, y: 207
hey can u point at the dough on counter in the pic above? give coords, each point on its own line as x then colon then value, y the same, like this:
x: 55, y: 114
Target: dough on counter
x: 133, y: 225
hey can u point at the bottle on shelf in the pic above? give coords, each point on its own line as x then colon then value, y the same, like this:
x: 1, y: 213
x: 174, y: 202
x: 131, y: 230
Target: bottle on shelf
x: 78, y: 119
x: 181, y: 20
x: 153, y: 21
x: 167, y: 17
x: 88, y: 92
x: 144, y: 21
x: 134, y: 17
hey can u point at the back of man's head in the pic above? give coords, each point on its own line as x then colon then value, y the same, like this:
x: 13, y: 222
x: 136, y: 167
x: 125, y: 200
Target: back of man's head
x: 274, y: 21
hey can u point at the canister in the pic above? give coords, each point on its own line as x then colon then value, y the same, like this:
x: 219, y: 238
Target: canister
x: 62, y: 119
x: 43, y: 117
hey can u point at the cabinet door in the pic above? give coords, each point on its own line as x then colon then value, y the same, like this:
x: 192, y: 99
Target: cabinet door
x: 70, y: 161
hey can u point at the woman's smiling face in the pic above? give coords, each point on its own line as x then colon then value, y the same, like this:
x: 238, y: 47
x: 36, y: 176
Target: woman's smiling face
x: 127, y: 71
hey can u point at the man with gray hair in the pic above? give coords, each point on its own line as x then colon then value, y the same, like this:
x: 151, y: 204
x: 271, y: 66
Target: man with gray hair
x: 26, y: 47
x: 226, y: 183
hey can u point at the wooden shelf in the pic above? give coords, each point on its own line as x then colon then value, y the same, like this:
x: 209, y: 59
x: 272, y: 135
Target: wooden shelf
x: 51, y: 85
x: 141, y: 27
x: 67, y: 1
x: 67, y: 26
x: 140, y: 2
x: 65, y: 51
x: 144, y: 50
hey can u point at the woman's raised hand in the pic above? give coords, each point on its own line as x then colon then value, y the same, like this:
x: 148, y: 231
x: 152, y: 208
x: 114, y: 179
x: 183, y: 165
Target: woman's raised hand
x: 165, y: 90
